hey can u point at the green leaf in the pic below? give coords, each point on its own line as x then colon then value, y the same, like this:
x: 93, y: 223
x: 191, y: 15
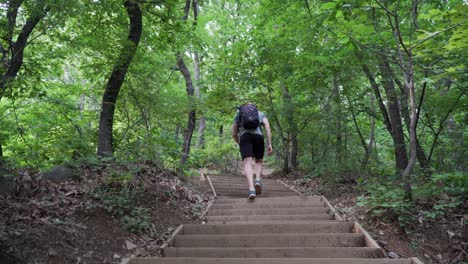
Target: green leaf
x: 328, y: 6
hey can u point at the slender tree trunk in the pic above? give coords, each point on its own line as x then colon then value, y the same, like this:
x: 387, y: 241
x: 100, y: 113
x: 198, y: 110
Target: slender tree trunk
x: 221, y: 131
x: 284, y: 153
x: 116, y: 79
x: 422, y: 159
x: 292, y: 137
x: 408, y: 77
x: 409, y: 82
x: 191, y: 119
x: 202, y: 123
x: 401, y: 155
x: 372, y: 129
x: 364, y: 145
x: 338, y: 125
x: 286, y: 158
x: 177, y: 132
x: 441, y: 126
x: 192, y: 111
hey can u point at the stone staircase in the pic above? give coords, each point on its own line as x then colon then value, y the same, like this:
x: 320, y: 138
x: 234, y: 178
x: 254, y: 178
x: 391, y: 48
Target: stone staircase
x: 279, y: 226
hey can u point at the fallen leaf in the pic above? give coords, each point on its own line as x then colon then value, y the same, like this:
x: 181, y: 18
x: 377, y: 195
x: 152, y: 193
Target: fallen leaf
x: 129, y: 245
x: 450, y: 233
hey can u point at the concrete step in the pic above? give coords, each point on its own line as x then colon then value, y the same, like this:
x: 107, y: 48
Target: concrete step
x: 152, y: 260
x: 244, y: 180
x: 280, y: 228
x: 286, y: 199
x: 310, y: 222
x: 254, y: 205
x: 270, y: 222
x: 265, y: 194
x: 246, y: 191
x: 246, y: 187
x: 306, y: 204
x: 268, y: 217
x: 271, y: 240
x: 270, y: 211
x: 284, y: 252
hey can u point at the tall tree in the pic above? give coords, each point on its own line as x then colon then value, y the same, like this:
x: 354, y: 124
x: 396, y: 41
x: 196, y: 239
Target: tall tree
x: 12, y: 50
x: 117, y: 78
x: 189, y: 86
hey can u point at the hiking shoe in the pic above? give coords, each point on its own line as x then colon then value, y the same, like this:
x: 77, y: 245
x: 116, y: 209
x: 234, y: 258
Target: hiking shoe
x: 258, y: 187
x: 252, y: 194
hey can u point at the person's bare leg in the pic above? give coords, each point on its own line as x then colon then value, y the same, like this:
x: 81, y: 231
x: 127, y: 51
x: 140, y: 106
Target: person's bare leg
x: 248, y: 171
x: 258, y: 168
x: 258, y: 173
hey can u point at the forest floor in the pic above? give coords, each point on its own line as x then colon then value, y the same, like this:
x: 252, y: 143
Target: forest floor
x: 82, y: 223
x: 441, y: 241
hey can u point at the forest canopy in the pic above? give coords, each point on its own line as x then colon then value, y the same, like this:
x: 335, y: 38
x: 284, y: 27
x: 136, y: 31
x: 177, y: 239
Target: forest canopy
x: 369, y: 87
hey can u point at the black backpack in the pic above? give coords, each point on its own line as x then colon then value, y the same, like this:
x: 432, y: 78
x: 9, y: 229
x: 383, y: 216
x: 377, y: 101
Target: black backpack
x: 248, y: 116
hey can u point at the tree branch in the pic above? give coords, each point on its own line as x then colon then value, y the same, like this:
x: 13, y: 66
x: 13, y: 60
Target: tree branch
x: 439, y: 32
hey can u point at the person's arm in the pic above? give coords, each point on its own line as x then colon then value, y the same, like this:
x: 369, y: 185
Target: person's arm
x: 235, y: 132
x: 266, y: 124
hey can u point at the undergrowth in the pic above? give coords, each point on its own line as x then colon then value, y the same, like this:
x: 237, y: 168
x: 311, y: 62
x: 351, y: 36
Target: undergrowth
x: 438, y: 197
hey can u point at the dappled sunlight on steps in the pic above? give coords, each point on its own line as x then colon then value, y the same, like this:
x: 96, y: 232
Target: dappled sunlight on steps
x: 279, y: 226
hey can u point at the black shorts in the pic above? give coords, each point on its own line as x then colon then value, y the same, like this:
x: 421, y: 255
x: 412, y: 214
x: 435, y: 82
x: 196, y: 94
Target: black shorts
x: 251, y: 145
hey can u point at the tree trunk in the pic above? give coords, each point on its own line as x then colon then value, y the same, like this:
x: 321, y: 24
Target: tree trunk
x: 422, y: 159
x: 177, y: 132
x: 366, y: 148
x: 292, y: 137
x: 192, y: 112
x: 221, y: 131
x: 202, y: 123
x: 191, y: 119
x: 398, y: 136
x: 10, y: 66
x: 338, y: 127
x: 116, y: 79
x: 409, y: 82
x: 372, y: 130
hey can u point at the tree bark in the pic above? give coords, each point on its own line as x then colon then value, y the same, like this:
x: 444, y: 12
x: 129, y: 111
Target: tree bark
x: 372, y: 130
x: 399, y: 149
x: 177, y: 132
x: 192, y: 111
x: 422, y: 159
x: 292, y: 135
x: 116, y: 79
x: 202, y: 123
x: 408, y: 75
x: 192, y: 114
x: 221, y: 131
x: 398, y: 136
x: 338, y: 126
x: 364, y: 145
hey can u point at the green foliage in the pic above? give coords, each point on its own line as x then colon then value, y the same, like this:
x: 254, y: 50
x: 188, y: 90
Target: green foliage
x: 297, y: 62
x: 444, y: 192
x: 120, y: 202
x: 215, y: 153
x: 386, y: 201
x: 197, y: 210
x: 137, y: 221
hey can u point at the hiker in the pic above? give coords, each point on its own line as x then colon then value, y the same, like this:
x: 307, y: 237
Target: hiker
x: 247, y: 133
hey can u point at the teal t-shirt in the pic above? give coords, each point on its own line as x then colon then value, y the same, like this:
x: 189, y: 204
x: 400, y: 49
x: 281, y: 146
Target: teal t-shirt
x: 257, y: 131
